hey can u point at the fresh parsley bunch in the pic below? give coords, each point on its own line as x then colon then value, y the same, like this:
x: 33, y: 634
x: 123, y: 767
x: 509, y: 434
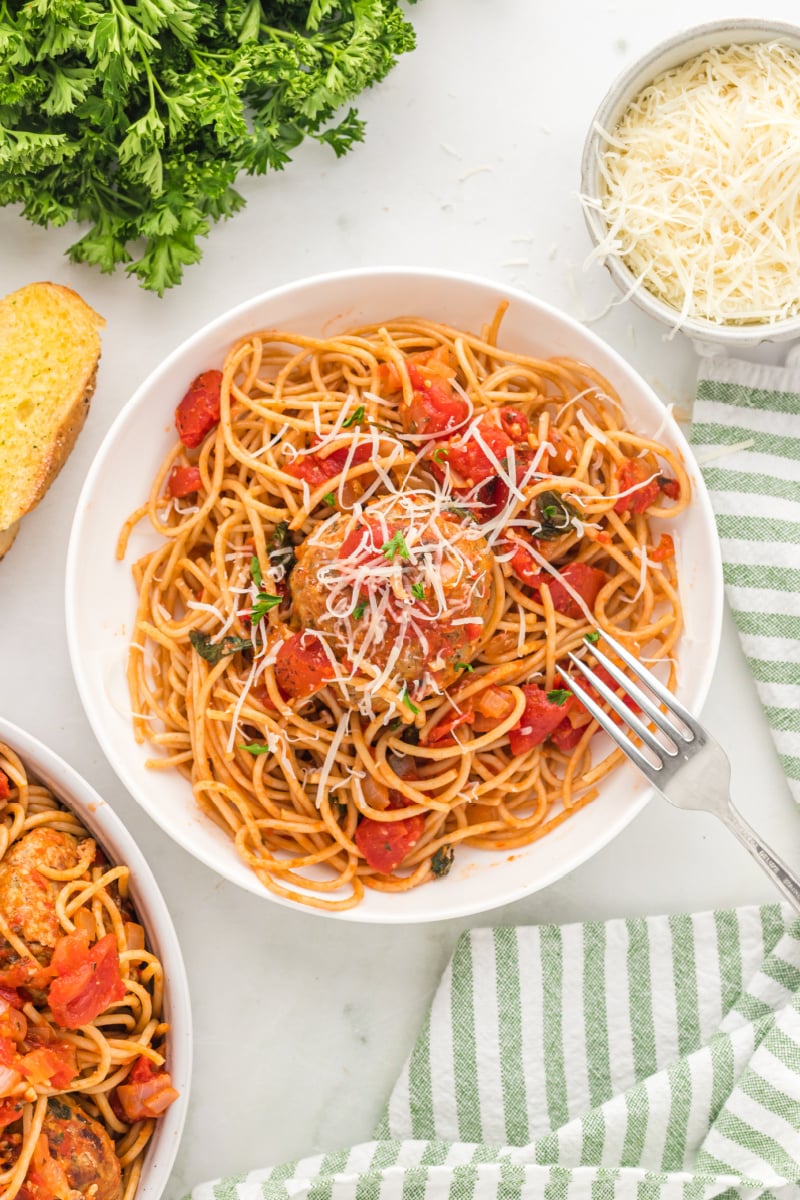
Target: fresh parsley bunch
x: 138, y: 117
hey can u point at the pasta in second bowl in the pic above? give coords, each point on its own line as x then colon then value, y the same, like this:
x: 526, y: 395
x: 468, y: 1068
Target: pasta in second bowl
x: 356, y: 586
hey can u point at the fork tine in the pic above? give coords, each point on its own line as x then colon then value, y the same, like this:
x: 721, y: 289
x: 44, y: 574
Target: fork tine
x: 614, y: 732
x: 624, y: 713
x: 674, y: 707
x: 645, y: 703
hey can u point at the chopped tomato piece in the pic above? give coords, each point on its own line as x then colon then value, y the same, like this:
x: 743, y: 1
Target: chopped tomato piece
x: 50, y: 1066
x: 183, y: 481
x: 302, y: 667
x: 469, y: 461
x: 316, y: 468
x: 365, y: 541
x: 581, y: 577
x: 10, y: 1111
x: 664, y: 550
x: 447, y: 725
x: 640, y: 474
x: 439, y: 361
x: 11, y: 996
x: 435, y: 406
x: 540, y: 718
x: 514, y: 423
x: 524, y: 565
x: 13, y: 1023
x: 198, y: 411
x: 585, y: 580
x: 146, y: 1093
x: 5, y: 787
x: 385, y: 844
x: 567, y: 736
x: 71, y: 952
x: 84, y: 991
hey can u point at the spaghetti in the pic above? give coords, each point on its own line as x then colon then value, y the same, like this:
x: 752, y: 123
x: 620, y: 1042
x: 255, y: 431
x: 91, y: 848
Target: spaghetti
x: 82, y: 1039
x: 374, y: 551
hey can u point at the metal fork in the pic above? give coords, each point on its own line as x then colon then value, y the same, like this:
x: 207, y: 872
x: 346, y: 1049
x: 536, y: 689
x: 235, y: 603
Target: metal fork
x: 685, y: 764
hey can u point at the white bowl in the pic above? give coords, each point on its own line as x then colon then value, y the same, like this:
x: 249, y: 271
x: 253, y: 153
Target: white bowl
x: 68, y: 786
x: 668, y: 54
x: 101, y: 600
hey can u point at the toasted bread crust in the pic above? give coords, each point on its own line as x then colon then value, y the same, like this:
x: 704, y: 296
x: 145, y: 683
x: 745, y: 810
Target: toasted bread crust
x: 49, y: 352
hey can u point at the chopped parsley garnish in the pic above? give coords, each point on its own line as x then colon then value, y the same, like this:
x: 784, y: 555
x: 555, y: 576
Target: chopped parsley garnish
x: 442, y: 861
x: 329, y: 498
x: 263, y: 603
x: 559, y: 696
x: 395, y: 725
x: 355, y: 418
x: 212, y: 652
x: 439, y: 454
x: 593, y: 637
x: 359, y: 610
x: 280, y: 548
x: 395, y: 545
x: 404, y: 696
x: 256, y: 748
x: 255, y: 571
x: 418, y: 591
x: 462, y: 666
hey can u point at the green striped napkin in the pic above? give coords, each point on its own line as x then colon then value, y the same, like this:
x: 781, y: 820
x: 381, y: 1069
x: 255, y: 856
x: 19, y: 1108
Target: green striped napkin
x: 746, y: 433
x: 647, y: 1059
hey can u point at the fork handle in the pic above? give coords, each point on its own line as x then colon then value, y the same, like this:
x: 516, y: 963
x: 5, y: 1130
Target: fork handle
x: 784, y: 879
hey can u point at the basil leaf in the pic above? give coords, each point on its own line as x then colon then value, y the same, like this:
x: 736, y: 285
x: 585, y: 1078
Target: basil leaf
x: 559, y: 696
x: 212, y: 652
x: 554, y: 515
x: 442, y: 861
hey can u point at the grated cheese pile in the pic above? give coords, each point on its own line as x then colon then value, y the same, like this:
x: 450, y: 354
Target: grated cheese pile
x: 701, y: 183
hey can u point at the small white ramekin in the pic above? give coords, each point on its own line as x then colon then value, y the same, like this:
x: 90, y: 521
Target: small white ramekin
x: 672, y: 53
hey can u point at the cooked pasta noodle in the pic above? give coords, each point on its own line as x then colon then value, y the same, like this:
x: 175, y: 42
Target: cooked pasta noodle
x: 82, y: 1038
x: 374, y: 550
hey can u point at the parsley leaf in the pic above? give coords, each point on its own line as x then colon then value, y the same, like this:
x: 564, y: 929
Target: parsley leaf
x: 212, y: 652
x: 559, y: 696
x: 418, y: 591
x: 255, y: 571
x: 355, y: 418
x: 395, y: 545
x: 135, y: 119
x: 555, y: 516
x: 263, y: 603
x: 439, y: 454
x: 329, y: 498
x: 404, y: 696
x: 593, y: 637
x: 462, y: 666
x: 359, y: 610
x: 256, y: 748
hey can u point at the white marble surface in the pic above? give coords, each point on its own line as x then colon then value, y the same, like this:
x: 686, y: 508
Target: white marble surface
x: 471, y: 162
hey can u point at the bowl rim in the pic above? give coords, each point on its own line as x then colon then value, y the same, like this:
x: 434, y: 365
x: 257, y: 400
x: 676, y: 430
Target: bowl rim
x: 629, y: 83
x: 102, y: 822
x: 362, y: 913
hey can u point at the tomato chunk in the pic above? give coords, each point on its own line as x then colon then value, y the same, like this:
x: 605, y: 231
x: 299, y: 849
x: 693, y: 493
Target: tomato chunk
x: 584, y: 579
x: 435, y: 406
x: 50, y: 1066
x: 664, y: 550
x: 183, y: 481
x: 302, y: 667
x: 316, y: 469
x: 514, y: 423
x: 670, y: 487
x: 385, y: 844
x: 198, y: 411
x: 5, y: 787
x: 468, y: 461
x: 10, y: 1111
x: 447, y: 725
x: 540, y: 718
x: 146, y: 1093
x: 84, y: 990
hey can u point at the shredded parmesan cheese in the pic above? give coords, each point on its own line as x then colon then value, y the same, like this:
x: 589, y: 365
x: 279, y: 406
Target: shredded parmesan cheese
x: 701, y: 185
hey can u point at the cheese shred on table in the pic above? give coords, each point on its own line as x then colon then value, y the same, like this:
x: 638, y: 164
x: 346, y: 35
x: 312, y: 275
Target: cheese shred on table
x: 701, y: 185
